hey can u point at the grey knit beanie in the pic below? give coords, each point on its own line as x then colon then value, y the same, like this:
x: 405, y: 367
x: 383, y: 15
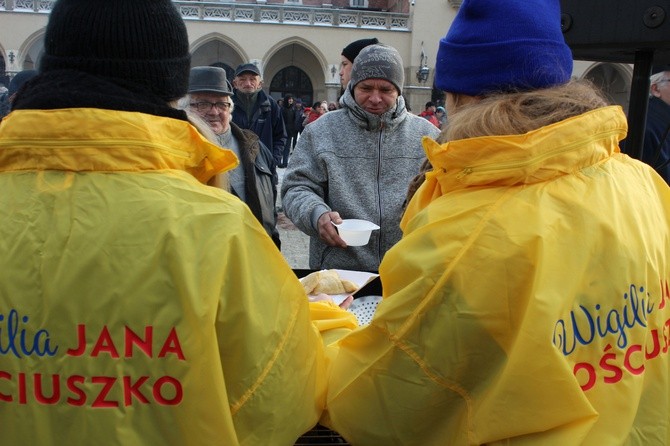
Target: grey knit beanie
x: 378, y: 62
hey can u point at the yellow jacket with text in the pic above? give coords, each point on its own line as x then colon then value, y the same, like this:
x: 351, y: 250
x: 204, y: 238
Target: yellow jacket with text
x: 528, y: 302
x: 137, y: 305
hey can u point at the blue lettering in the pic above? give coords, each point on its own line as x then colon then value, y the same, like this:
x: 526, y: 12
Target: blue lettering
x: 585, y: 325
x: 15, y: 339
x: 590, y: 334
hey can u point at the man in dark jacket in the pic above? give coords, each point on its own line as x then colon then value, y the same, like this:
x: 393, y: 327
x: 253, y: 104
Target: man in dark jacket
x: 257, y: 111
x: 299, y: 112
x: 656, y: 148
x: 14, y: 85
x: 289, y: 114
x: 252, y: 181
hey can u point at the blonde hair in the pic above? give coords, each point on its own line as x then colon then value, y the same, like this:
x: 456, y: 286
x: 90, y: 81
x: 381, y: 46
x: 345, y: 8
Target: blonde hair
x: 520, y: 112
x: 221, y: 180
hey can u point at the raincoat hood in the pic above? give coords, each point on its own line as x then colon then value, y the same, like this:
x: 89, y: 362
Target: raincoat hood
x: 122, y: 141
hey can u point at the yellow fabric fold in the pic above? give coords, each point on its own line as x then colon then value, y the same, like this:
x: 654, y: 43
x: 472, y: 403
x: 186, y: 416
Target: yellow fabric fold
x: 120, y: 141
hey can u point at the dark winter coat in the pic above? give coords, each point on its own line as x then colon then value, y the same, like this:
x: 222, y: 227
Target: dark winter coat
x: 266, y: 122
x: 256, y: 160
x: 656, y: 148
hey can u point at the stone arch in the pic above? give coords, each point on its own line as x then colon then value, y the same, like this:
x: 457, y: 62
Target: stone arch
x: 301, y: 45
x: 613, y: 79
x: 31, y: 51
x: 4, y: 77
x: 301, y: 57
x: 217, y: 50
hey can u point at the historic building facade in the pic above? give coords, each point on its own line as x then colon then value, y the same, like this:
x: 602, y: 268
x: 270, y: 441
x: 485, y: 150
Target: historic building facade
x: 295, y: 43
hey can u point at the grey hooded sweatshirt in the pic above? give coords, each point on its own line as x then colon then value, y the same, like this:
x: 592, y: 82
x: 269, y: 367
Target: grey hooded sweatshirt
x: 358, y: 164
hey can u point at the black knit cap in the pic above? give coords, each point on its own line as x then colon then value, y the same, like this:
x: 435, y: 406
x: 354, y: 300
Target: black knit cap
x: 351, y: 51
x: 143, y: 42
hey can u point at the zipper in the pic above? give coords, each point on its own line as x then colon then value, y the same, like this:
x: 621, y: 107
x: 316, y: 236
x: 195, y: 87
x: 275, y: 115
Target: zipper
x: 379, y: 193
x: 95, y: 144
x: 516, y: 164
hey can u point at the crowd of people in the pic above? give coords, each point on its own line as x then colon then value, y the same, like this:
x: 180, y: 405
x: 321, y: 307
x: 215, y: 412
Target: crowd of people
x: 524, y: 259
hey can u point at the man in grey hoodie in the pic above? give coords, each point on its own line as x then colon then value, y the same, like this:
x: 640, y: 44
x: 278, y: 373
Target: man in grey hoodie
x: 356, y: 162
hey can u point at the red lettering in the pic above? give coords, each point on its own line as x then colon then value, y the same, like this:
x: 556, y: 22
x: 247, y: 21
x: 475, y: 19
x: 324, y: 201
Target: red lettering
x: 590, y: 370
x: 657, y: 346
x: 627, y: 364
x: 166, y: 391
x: 22, y: 389
x: 605, y: 364
x: 72, y: 385
x: 55, y: 391
x: 4, y: 397
x: 132, y: 340
x: 108, y: 383
x: 81, y: 345
x: 666, y: 335
x: 665, y: 294
x: 172, y: 345
x: 130, y: 390
x: 158, y: 393
x: 105, y: 344
x: 142, y: 344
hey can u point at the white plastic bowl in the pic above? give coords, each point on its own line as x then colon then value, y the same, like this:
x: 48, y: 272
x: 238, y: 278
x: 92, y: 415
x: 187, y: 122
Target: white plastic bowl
x: 356, y: 232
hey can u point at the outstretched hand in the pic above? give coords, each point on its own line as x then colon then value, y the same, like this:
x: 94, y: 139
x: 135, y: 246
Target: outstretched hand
x: 346, y: 303
x: 328, y: 232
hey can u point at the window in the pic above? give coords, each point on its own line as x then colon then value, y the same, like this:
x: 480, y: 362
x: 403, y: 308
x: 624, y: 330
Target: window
x: 359, y: 3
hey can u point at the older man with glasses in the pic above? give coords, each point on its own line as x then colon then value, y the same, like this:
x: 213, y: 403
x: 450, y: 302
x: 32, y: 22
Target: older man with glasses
x: 656, y: 148
x: 210, y: 97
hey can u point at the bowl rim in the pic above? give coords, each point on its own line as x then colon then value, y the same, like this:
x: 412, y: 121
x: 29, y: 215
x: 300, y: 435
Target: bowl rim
x: 367, y: 225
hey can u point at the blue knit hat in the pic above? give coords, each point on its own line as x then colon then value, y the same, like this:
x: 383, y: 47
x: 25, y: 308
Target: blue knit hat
x: 509, y: 45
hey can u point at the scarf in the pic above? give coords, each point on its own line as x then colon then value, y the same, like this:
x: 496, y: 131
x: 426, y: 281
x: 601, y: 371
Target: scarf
x: 60, y: 89
x: 247, y: 101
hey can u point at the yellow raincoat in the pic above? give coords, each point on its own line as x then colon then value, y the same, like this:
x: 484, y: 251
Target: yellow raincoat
x: 138, y: 306
x: 528, y: 302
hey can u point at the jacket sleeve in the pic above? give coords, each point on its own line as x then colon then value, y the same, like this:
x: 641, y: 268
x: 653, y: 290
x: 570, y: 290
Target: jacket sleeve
x: 272, y: 355
x: 382, y: 388
x: 305, y: 185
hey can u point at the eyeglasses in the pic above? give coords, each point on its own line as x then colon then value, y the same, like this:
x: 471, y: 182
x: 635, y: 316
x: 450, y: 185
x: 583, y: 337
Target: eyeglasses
x: 205, y: 106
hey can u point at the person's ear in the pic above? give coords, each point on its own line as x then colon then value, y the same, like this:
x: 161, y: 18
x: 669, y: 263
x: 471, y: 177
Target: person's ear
x: 655, y: 91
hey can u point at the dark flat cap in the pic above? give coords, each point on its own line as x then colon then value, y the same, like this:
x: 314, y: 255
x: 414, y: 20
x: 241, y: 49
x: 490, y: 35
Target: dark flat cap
x: 247, y: 67
x: 209, y: 80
